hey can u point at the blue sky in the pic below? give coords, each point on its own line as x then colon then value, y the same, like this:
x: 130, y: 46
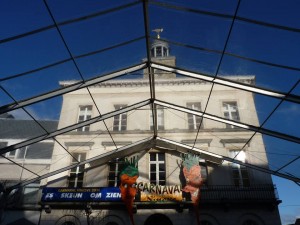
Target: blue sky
x: 277, y: 46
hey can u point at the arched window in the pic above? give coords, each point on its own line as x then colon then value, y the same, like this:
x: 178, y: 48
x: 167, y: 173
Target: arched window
x: 68, y: 220
x: 68, y: 223
x: 111, y: 223
x: 250, y: 222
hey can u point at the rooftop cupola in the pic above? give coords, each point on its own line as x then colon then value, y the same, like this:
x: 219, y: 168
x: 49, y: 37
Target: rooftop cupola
x: 160, y: 53
x: 159, y: 48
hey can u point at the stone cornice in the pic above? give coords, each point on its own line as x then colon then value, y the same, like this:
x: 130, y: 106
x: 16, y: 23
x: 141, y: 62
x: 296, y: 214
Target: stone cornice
x: 160, y: 82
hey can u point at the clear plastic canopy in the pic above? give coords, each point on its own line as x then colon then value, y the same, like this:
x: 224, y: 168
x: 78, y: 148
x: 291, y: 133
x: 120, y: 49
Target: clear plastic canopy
x: 50, y: 49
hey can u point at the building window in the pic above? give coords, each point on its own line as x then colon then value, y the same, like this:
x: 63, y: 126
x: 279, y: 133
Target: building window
x: 34, y: 151
x: 114, y: 169
x: 85, y: 113
x: 203, y: 172
x: 77, y: 173
x: 157, y: 168
x: 160, y: 118
x: 11, y: 154
x: 68, y: 223
x: 39, y: 151
x: 194, y: 121
x: 231, y: 112
x: 120, y: 121
x: 18, y: 153
x: 239, y: 172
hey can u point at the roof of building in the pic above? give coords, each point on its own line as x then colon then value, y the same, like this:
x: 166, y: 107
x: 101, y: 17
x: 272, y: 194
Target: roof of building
x: 21, y: 129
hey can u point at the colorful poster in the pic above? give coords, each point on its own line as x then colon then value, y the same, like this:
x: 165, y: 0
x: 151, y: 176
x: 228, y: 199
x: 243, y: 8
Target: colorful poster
x: 106, y: 194
x: 128, y: 177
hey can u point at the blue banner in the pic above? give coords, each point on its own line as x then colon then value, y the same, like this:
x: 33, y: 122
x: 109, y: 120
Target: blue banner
x: 108, y: 194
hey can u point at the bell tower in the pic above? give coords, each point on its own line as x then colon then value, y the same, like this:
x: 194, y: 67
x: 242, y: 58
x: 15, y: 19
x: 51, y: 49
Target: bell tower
x: 160, y: 53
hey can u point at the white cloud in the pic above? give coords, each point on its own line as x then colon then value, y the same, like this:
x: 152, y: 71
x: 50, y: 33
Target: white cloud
x: 21, y: 114
x: 290, y: 218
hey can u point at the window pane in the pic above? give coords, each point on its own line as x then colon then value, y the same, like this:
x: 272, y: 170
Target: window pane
x: 162, y: 182
x: 158, y: 52
x: 161, y: 167
x: 194, y: 121
x: 12, y: 153
x: 235, y: 116
x: 111, y: 176
x: 152, y: 156
x: 21, y: 153
x: 153, y: 177
x: 152, y: 168
x: 162, y: 175
x: 161, y: 156
x: 120, y: 121
x: 81, y: 118
x: 39, y: 151
x: 77, y: 174
x: 85, y: 113
x: 157, y: 168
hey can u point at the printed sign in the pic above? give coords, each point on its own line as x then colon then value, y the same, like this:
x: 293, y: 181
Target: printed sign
x: 109, y: 194
x: 158, y: 193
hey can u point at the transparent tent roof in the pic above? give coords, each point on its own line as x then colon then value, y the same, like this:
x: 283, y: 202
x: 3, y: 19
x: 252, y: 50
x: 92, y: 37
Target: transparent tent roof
x: 51, y: 48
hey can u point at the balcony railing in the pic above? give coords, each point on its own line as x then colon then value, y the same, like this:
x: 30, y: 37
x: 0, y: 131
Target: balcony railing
x: 233, y: 193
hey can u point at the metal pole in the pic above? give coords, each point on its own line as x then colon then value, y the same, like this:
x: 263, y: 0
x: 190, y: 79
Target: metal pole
x: 40, y: 216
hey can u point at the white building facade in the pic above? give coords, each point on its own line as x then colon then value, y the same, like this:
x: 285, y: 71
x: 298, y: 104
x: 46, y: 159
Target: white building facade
x: 123, y: 127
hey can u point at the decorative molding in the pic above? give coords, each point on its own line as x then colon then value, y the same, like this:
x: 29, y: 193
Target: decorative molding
x: 77, y: 143
x: 235, y: 141
x: 118, y: 143
x: 198, y: 141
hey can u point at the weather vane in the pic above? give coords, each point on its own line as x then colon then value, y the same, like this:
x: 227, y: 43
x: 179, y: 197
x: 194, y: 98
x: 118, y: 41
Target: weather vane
x: 158, y: 31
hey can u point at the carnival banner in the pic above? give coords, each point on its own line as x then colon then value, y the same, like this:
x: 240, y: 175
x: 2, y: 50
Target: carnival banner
x: 110, y: 194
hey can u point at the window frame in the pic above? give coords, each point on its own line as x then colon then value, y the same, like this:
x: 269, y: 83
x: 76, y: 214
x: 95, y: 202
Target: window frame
x: 160, y: 51
x: 120, y: 120
x: 242, y: 179
x: 76, y: 174
x: 115, y: 172
x: 158, y: 173
x: 195, y: 120
x: 160, y: 118
x: 18, y: 154
x: 232, y: 107
x: 87, y: 114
